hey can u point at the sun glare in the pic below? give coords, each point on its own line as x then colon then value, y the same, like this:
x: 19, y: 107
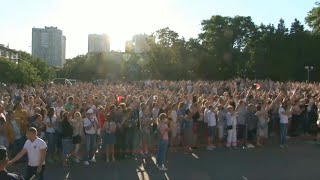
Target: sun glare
x: 120, y: 19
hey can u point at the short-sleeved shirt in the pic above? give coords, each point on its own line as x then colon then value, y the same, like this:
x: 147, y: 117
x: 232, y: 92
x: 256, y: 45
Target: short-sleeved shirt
x: 52, y: 120
x: 283, y: 118
x: 34, y: 151
x: 212, y: 121
x: 4, y: 175
x: 68, y: 107
x: 87, y: 122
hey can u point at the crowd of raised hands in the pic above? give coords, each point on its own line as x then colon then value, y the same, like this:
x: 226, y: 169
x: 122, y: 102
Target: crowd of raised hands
x: 124, y: 116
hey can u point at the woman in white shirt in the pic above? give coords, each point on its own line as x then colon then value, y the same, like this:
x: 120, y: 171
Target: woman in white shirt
x: 51, y: 123
x: 174, y: 126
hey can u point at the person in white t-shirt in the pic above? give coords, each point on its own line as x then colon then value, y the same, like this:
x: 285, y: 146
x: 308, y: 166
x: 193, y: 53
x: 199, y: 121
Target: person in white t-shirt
x: 212, y: 122
x: 231, y: 127
x: 36, y: 149
x: 91, y: 126
x: 284, y: 116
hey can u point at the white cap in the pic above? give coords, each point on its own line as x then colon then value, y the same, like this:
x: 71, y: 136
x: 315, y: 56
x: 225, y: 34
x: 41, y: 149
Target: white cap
x: 90, y: 111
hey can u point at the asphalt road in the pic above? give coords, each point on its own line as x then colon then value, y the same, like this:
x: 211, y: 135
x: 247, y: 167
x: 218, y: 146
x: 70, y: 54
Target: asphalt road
x: 300, y: 161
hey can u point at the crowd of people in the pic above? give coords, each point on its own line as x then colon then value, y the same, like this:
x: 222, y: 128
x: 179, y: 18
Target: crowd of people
x: 123, y: 119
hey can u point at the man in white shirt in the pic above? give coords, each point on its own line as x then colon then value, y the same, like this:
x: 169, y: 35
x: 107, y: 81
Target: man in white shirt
x: 284, y: 116
x: 91, y: 128
x: 212, y: 122
x: 36, y: 150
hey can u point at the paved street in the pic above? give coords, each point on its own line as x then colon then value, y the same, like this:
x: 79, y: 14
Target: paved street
x: 299, y: 161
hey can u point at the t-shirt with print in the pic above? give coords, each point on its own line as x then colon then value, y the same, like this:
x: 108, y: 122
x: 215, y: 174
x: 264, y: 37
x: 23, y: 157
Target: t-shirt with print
x: 33, y: 150
x: 88, y: 122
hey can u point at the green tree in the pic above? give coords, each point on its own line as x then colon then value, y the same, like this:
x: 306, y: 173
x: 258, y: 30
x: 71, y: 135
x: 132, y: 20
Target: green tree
x: 313, y: 18
x: 22, y: 73
x: 296, y: 27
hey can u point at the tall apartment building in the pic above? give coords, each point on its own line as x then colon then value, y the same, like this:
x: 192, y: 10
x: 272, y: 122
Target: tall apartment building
x: 49, y: 44
x: 98, y: 43
x: 139, y: 43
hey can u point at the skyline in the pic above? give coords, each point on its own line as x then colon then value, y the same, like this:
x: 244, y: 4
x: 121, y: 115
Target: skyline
x: 78, y: 19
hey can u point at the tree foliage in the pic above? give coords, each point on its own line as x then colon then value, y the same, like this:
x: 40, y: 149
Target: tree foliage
x: 25, y: 70
x: 227, y: 47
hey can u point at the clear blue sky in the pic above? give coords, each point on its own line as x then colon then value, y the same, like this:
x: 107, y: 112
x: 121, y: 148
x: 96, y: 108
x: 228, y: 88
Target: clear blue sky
x: 123, y: 18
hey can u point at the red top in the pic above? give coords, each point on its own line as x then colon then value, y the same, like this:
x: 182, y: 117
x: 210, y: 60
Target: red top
x: 101, y: 119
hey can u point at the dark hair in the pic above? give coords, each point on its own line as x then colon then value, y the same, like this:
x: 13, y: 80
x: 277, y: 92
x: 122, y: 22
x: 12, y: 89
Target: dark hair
x: 50, y: 112
x: 259, y: 107
x: 37, y: 116
x: 112, y: 107
x: 187, y: 111
x: 65, y: 116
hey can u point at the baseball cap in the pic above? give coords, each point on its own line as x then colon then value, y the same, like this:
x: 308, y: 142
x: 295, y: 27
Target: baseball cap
x: 3, y: 153
x: 90, y: 111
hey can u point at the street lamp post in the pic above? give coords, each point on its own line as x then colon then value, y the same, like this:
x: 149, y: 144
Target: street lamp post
x: 308, y: 68
x: 190, y: 73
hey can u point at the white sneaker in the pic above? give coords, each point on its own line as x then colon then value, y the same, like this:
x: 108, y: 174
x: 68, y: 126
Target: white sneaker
x: 250, y: 146
x: 86, y: 163
x: 77, y: 160
x: 93, y: 160
x: 282, y: 146
x: 162, y: 168
x: 209, y: 148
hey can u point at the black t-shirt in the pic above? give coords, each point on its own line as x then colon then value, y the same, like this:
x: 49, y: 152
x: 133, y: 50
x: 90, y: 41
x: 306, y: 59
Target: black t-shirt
x: 67, y: 129
x: 196, y: 116
x: 4, y: 175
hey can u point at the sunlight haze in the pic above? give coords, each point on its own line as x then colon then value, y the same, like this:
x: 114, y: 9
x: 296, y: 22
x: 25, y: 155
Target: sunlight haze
x: 121, y: 19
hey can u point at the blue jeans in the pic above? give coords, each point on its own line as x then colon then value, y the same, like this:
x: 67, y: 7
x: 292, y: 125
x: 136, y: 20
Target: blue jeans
x: 163, y: 146
x: 3, y: 141
x: 130, y: 139
x: 52, y: 141
x: 212, y: 132
x: 91, y: 141
x: 283, y: 133
x: 67, y: 146
x: 306, y: 124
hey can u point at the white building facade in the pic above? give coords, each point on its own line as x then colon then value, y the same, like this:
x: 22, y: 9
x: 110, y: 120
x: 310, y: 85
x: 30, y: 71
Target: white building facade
x: 98, y: 43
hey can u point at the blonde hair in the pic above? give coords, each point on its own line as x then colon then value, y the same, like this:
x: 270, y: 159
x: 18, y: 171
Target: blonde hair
x: 77, y: 114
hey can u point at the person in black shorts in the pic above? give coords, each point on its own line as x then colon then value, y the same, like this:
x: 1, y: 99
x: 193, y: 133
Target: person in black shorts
x: 4, y: 161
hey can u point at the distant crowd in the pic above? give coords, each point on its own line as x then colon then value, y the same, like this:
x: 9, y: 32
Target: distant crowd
x: 126, y: 119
